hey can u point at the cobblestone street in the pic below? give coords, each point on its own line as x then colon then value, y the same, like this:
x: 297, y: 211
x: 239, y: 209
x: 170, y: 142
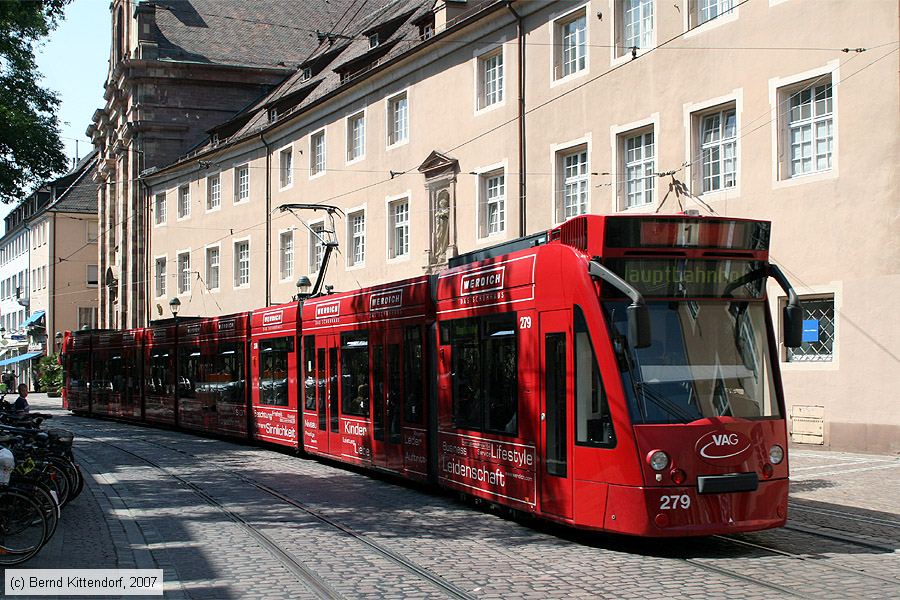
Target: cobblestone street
x: 225, y: 520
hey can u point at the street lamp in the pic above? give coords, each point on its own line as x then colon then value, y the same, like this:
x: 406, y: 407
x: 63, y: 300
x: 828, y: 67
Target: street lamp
x: 303, y: 285
x: 174, y: 306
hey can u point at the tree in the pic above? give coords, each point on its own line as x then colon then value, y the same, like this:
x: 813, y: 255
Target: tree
x: 30, y: 147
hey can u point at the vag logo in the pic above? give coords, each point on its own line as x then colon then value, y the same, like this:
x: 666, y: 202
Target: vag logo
x: 719, y: 445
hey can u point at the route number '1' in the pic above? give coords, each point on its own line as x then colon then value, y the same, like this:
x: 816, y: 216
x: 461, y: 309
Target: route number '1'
x: 524, y: 322
x: 674, y: 502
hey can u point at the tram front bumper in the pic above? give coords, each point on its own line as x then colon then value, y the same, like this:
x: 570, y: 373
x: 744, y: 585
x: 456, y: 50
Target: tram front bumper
x: 682, y: 511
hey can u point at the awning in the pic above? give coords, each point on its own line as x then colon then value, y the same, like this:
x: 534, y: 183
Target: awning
x: 33, y: 318
x: 21, y: 357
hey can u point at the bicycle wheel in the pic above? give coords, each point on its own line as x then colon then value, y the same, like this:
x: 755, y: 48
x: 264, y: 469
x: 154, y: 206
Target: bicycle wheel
x: 60, y: 480
x: 45, y: 498
x: 79, y: 482
x: 23, y: 527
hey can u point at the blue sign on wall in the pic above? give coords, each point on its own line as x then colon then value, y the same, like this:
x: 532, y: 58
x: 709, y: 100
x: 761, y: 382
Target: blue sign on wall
x: 810, y: 330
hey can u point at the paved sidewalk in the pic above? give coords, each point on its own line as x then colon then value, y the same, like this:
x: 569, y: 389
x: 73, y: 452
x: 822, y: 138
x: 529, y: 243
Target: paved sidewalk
x: 199, y: 509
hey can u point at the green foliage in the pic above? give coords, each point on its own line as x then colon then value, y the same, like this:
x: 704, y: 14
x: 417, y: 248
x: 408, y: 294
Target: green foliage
x: 50, y: 374
x: 30, y: 147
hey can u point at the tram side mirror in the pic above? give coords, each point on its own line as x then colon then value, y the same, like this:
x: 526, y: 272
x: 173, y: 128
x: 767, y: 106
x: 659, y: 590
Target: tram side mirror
x: 793, y: 325
x: 638, y: 325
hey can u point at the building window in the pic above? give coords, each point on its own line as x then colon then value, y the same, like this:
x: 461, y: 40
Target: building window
x: 718, y: 150
x: 160, y: 204
x: 398, y: 213
x: 306, y: 74
x: 357, y: 236
x: 92, y: 277
x: 426, y: 30
x: 184, y: 273
x: 87, y: 317
x: 492, y: 209
x: 184, y: 201
x: 571, y: 44
x: 286, y: 160
x: 160, y: 276
x: 490, y: 79
x: 574, y: 176
x: 92, y: 231
x: 286, y: 246
x: 317, y: 153
x: 639, y: 165
x: 818, y: 331
x: 241, y: 183
x: 242, y: 263
x: 710, y: 9
x: 356, y: 137
x: 316, y: 246
x: 810, y: 128
x: 374, y: 40
x: 398, y: 119
x: 212, y: 192
x: 212, y: 268
x: 637, y: 25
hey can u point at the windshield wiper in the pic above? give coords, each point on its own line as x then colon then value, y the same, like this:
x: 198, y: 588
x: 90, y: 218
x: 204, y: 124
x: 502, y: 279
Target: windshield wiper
x: 669, y: 407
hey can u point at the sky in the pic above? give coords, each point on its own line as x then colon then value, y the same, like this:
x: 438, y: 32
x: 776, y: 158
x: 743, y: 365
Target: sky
x: 73, y: 62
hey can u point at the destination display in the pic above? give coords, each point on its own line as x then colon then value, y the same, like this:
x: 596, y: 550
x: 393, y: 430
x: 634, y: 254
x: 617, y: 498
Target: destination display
x: 689, y: 278
x: 628, y: 232
x: 503, y: 469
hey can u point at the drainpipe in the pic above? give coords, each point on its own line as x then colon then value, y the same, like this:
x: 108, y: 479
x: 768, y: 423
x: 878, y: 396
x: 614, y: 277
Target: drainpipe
x: 268, y: 222
x: 520, y: 36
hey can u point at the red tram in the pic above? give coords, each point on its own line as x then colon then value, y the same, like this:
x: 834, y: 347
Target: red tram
x: 616, y: 373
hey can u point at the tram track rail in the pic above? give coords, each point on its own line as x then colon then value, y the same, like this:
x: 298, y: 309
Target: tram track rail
x: 316, y: 584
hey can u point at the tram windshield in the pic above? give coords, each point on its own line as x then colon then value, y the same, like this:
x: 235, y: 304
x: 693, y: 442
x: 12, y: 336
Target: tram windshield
x: 706, y: 359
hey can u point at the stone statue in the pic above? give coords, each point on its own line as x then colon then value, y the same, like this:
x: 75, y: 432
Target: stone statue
x: 441, y: 228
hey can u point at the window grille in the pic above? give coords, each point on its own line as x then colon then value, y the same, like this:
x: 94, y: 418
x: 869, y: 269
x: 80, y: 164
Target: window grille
x: 818, y: 332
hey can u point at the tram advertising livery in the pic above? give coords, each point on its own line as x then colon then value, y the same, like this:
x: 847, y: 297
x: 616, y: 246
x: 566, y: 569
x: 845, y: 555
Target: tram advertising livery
x: 615, y: 373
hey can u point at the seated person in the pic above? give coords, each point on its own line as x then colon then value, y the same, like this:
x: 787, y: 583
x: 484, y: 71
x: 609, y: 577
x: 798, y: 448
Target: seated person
x: 21, y: 403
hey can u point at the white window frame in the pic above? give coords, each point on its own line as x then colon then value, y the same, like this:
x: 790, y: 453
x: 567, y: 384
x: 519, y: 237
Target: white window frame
x: 286, y: 259
x: 160, y: 291
x: 777, y: 301
x: 179, y: 271
x: 350, y: 155
x: 484, y: 175
x: 186, y: 213
x: 92, y: 321
x: 356, y: 240
x: 160, y: 216
x: 693, y: 121
x: 236, y: 196
x: 779, y: 97
x: 87, y: 277
x: 389, y: 120
x: 481, y: 58
x: 235, y: 263
x: 314, y: 169
x: 558, y: 153
x: 209, y: 192
x: 218, y: 265
x: 391, y: 202
x: 691, y: 18
x: 617, y: 136
x: 314, y: 244
x: 557, y: 27
x: 621, y: 50
x: 286, y: 167
x: 87, y: 236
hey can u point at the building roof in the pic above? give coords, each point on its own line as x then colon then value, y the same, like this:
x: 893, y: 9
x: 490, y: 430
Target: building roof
x: 262, y: 33
x: 81, y: 195
x: 337, y: 60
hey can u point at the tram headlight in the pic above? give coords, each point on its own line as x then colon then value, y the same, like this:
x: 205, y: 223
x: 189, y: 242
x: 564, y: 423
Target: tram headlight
x: 658, y: 460
x: 776, y: 454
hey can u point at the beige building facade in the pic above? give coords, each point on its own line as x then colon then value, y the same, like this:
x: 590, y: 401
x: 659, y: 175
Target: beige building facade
x: 482, y: 122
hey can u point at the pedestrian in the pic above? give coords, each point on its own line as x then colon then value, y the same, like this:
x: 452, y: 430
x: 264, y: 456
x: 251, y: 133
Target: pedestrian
x: 21, y: 403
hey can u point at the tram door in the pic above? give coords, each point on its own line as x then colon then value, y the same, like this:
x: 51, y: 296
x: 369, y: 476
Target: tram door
x: 327, y: 381
x: 387, y: 394
x: 556, y: 392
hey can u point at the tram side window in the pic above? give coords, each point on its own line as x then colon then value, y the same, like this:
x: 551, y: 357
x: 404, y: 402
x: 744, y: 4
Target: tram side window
x: 159, y: 382
x: 273, y: 370
x: 188, y: 371
x: 225, y: 379
x: 78, y: 367
x: 593, y: 422
x: 413, y: 375
x: 115, y: 374
x: 485, y: 366
x: 355, y: 373
x: 309, y: 371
